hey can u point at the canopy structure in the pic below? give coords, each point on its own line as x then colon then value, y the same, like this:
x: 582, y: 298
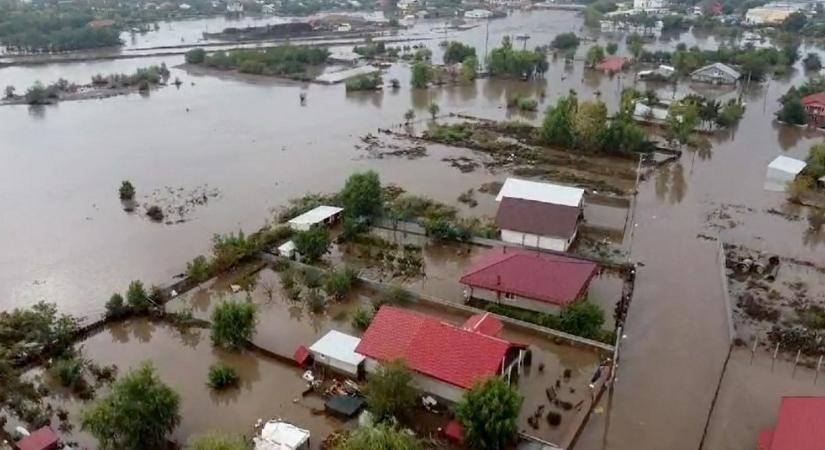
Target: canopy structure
x: 781, y: 171
x: 318, y: 215
x: 278, y: 435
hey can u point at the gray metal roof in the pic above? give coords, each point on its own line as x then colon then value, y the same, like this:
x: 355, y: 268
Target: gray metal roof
x: 721, y: 67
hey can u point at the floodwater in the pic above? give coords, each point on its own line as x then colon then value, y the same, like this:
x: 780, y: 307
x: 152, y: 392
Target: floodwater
x: 65, y: 238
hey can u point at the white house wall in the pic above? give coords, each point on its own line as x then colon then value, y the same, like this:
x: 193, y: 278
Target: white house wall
x: 534, y: 240
x: 336, y: 364
x: 516, y: 301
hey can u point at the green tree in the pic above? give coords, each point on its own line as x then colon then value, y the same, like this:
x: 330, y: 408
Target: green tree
x: 457, y: 52
x: 812, y: 62
x: 558, y: 126
x: 794, y: 22
x: 216, y: 441
x: 137, y: 297
x: 583, y: 319
x: 389, y: 394
x: 468, y: 69
x: 381, y: 437
x: 362, y: 195
x: 792, y: 111
x: 233, y: 324
x: 138, y: 414
x: 338, y: 283
x: 434, y: 110
x: 590, y: 123
x: 409, y: 116
x: 816, y: 160
x: 198, y: 269
x: 636, y: 45
x: 116, y: 307
x: 489, y: 414
x: 422, y: 74
x: 126, y: 191
x: 312, y: 244
x: 565, y: 41
x: 682, y: 119
x: 195, y: 56
x: 37, y: 94
x: 611, y: 48
x: 9, y: 91
x: 595, y: 55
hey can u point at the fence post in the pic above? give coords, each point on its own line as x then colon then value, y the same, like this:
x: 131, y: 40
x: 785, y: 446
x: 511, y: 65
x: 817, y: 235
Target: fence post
x: 818, y: 365
x: 753, y: 349
x: 775, y: 352
x: 796, y: 362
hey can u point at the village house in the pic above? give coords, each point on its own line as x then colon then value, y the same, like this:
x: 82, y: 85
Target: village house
x: 542, y: 215
x: 799, y: 426
x: 535, y: 281
x: 815, y: 107
x: 446, y: 360
x: 771, y: 13
x: 42, y: 439
x: 716, y: 73
x: 781, y: 171
x: 318, y: 216
x: 336, y: 350
x: 612, y: 64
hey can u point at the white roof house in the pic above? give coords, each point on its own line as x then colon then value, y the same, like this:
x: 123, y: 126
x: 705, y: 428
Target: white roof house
x: 782, y: 170
x: 337, y: 350
x: 277, y: 435
x: 541, y: 192
x: 287, y: 249
x: 319, y: 215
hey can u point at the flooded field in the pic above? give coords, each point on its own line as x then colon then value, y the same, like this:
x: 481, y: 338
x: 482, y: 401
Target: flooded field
x: 67, y: 240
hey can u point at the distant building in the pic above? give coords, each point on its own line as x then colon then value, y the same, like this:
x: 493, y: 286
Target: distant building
x: 799, y: 426
x: 278, y: 435
x: 541, y: 282
x: 268, y: 8
x: 612, y: 64
x: 320, y: 216
x: 234, y: 7
x: 781, y: 171
x: 185, y: 6
x: 771, y: 13
x: 815, y: 107
x: 542, y: 215
x: 645, y: 5
x: 446, y: 360
x: 716, y: 73
x: 337, y: 351
x: 478, y: 14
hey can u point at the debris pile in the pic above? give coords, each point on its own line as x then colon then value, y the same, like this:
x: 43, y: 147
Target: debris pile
x: 176, y: 204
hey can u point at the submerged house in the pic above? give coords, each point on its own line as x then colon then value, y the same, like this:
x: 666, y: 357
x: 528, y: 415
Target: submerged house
x: 612, y: 64
x: 799, y: 427
x: 541, y: 215
x: 446, y: 360
x: 318, y: 216
x: 781, y: 171
x: 534, y: 281
x: 278, y: 435
x: 815, y: 107
x: 716, y: 73
x: 336, y: 350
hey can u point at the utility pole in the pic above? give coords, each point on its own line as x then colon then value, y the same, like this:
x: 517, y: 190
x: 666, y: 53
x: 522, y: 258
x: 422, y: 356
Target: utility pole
x: 486, y: 41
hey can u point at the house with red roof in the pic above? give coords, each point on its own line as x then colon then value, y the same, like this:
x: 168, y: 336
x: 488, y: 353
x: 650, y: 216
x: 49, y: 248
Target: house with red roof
x: 815, y: 107
x: 42, y: 439
x: 801, y: 426
x: 541, y: 215
x: 612, y: 64
x: 446, y: 359
x: 530, y: 280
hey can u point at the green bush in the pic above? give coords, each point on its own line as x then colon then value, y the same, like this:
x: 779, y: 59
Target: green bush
x: 126, y: 191
x: 392, y: 295
x: 215, y: 441
x: 69, y: 370
x: 195, y: 56
x: 389, y: 392
x: 198, y: 269
x: 312, y: 244
x: 367, y: 82
x: 338, y: 283
x: 116, y: 307
x: 233, y: 324
x: 222, y: 376
x: 362, y: 317
x: 137, y: 298
x: 230, y: 249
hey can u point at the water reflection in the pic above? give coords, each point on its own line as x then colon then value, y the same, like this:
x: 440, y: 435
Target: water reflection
x: 670, y: 183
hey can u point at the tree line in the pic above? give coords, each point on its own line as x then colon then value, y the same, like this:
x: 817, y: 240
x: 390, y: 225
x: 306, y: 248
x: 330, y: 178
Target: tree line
x: 31, y: 30
x: 281, y: 60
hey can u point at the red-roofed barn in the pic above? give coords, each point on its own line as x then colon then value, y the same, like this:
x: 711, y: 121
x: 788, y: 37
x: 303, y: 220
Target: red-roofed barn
x: 446, y: 359
x: 529, y: 280
x: 801, y: 425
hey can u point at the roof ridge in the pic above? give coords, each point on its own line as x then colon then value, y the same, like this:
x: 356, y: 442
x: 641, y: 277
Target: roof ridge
x: 505, y: 258
x: 473, y: 332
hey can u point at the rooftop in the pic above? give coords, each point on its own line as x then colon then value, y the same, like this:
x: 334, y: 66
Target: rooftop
x: 799, y: 426
x: 541, y: 192
x: 544, y: 219
x: 484, y: 323
x: 437, y: 349
x: 277, y: 435
x: 339, y: 346
x: 316, y: 215
x: 814, y: 99
x: 730, y: 71
x: 550, y: 278
x: 42, y: 439
x: 786, y: 164
x: 612, y: 64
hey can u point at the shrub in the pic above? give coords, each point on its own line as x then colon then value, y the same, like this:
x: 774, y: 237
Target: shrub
x: 393, y: 295
x: 362, y: 317
x: 312, y: 244
x: 489, y: 414
x: 338, y: 283
x: 222, y: 376
x: 216, y: 442
x: 583, y: 318
x: 361, y: 194
x: 195, y: 56
x: 116, y: 307
x: 233, y: 324
x: 316, y: 301
x: 389, y: 393
x: 229, y: 249
x: 379, y: 437
x: 127, y: 190
x: 137, y: 297
x: 367, y: 82
x: 155, y: 213
x: 198, y: 269
x: 69, y: 370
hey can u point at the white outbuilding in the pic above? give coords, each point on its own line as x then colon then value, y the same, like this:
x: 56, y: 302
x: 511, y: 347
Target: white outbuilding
x: 320, y: 215
x: 279, y: 435
x: 781, y: 171
x: 337, y: 350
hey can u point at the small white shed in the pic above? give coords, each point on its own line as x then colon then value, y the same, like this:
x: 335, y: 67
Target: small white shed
x: 337, y: 350
x: 278, y: 435
x: 319, y: 215
x: 287, y: 249
x: 556, y: 194
x: 781, y: 171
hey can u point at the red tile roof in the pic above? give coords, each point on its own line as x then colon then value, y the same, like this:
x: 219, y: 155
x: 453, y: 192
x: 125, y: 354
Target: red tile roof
x: 544, y: 219
x: 814, y: 99
x: 612, y: 64
x: 539, y: 276
x: 433, y: 348
x: 42, y: 439
x: 301, y: 356
x: 801, y: 425
x: 485, y: 323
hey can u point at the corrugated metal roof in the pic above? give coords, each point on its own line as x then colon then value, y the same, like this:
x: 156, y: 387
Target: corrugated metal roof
x: 338, y: 346
x: 541, y: 192
x: 543, y: 219
x: 316, y: 215
x: 786, y: 164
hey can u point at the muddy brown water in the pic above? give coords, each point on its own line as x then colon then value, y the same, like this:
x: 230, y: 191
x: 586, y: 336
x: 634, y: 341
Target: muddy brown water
x: 65, y: 238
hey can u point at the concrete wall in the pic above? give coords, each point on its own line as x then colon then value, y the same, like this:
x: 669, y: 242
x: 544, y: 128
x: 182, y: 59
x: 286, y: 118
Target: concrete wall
x: 516, y: 301
x: 422, y: 383
x: 534, y: 240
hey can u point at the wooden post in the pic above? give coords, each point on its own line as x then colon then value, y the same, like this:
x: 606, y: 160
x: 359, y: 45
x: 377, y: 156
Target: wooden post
x: 818, y: 365
x: 753, y: 349
x: 775, y: 352
x: 796, y: 362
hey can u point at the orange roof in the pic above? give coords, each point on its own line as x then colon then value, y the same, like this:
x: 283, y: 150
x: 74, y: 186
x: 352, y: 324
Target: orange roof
x: 612, y: 64
x: 814, y: 99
